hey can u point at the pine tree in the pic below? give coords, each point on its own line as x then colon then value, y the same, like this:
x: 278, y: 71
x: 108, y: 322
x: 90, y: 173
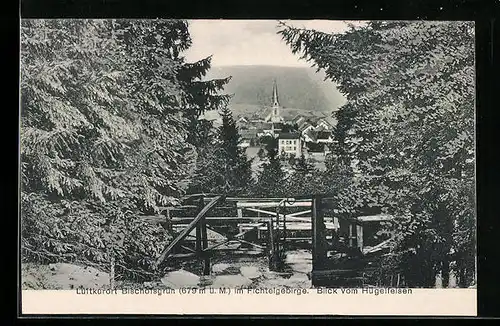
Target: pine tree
x: 271, y: 180
x: 229, y: 137
x: 223, y: 165
x: 302, y: 166
x: 203, y: 95
x: 105, y: 111
x: 409, y: 125
x: 237, y: 167
x: 303, y: 181
x: 261, y: 153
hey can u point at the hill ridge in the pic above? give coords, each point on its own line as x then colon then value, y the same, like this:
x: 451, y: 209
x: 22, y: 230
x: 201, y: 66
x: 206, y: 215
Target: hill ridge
x: 299, y: 88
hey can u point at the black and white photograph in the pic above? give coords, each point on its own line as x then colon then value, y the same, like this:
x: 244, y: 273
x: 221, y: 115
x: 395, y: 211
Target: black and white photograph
x: 161, y: 154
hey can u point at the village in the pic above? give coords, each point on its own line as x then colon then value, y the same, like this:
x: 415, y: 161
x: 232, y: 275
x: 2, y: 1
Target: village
x: 307, y: 133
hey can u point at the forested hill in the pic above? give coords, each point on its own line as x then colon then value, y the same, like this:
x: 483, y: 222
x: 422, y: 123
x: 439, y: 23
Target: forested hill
x: 299, y: 88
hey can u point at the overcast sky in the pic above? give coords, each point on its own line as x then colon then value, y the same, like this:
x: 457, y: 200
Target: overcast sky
x: 249, y: 42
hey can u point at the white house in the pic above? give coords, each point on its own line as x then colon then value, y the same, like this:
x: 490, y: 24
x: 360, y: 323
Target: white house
x: 290, y: 143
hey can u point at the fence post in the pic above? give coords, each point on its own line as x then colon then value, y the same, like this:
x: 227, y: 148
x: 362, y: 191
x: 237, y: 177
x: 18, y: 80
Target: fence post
x: 284, y: 226
x: 270, y: 244
x: 204, y: 245
x: 351, y: 235
x: 199, y: 234
x: 359, y: 237
x: 277, y: 244
x: 318, y: 235
x: 198, y: 240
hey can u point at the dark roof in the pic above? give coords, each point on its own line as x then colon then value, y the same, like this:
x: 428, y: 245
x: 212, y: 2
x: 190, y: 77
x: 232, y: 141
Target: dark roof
x: 263, y: 125
x: 330, y: 120
x: 313, y: 119
x: 315, y: 147
x: 323, y: 134
x: 289, y: 135
x: 267, y: 125
x: 311, y: 135
x: 248, y: 133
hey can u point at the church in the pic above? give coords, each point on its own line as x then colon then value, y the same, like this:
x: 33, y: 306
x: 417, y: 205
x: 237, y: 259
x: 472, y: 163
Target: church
x: 289, y: 143
x: 274, y: 116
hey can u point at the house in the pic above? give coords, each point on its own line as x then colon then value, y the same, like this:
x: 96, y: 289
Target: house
x: 299, y: 119
x: 248, y: 134
x: 267, y: 127
x: 320, y: 127
x: 327, y: 123
x: 278, y: 126
x: 316, y: 149
x: 244, y: 144
x: 242, y: 123
x: 308, y: 132
x: 324, y: 137
x: 242, y: 120
x: 290, y: 143
x: 309, y: 136
x: 304, y: 126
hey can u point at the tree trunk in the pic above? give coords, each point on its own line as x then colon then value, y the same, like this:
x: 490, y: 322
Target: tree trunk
x: 112, y: 271
x: 461, y: 275
x: 445, y: 272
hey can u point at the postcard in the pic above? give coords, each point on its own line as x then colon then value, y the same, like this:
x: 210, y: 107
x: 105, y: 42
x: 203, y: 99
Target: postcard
x: 294, y: 167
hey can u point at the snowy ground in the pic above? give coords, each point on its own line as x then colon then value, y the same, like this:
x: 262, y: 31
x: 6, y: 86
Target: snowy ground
x: 228, y: 271
x: 252, y: 272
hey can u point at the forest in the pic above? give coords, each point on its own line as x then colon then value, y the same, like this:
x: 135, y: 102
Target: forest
x: 111, y: 130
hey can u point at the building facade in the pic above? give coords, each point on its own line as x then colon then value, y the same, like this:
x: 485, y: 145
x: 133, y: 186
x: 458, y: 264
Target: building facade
x: 290, y: 144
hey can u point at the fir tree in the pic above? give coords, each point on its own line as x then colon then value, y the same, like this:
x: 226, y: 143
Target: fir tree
x: 408, y: 131
x: 302, y: 166
x: 105, y: 110
x: 302, y: 181
x: 229, y: 137
x: 261, y: 153
x: 223, y: 165
x: 237, y: 167
x: 272, y: 179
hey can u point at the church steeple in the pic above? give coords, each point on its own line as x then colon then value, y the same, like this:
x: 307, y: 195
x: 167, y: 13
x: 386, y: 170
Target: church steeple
x: 275, y: 115
x: 275, y: 94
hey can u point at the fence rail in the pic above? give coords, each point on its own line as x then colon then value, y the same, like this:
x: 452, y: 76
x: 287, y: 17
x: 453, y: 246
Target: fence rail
x: 279, y: 218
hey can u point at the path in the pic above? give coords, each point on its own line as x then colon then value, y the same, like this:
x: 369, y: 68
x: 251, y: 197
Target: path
x: 251, y: 272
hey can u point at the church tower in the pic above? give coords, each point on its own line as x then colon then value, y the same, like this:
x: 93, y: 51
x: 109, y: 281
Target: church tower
x: 275, y: 115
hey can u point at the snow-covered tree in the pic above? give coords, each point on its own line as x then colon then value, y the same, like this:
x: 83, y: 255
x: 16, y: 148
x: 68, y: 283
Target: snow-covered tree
x: 409, y: 125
